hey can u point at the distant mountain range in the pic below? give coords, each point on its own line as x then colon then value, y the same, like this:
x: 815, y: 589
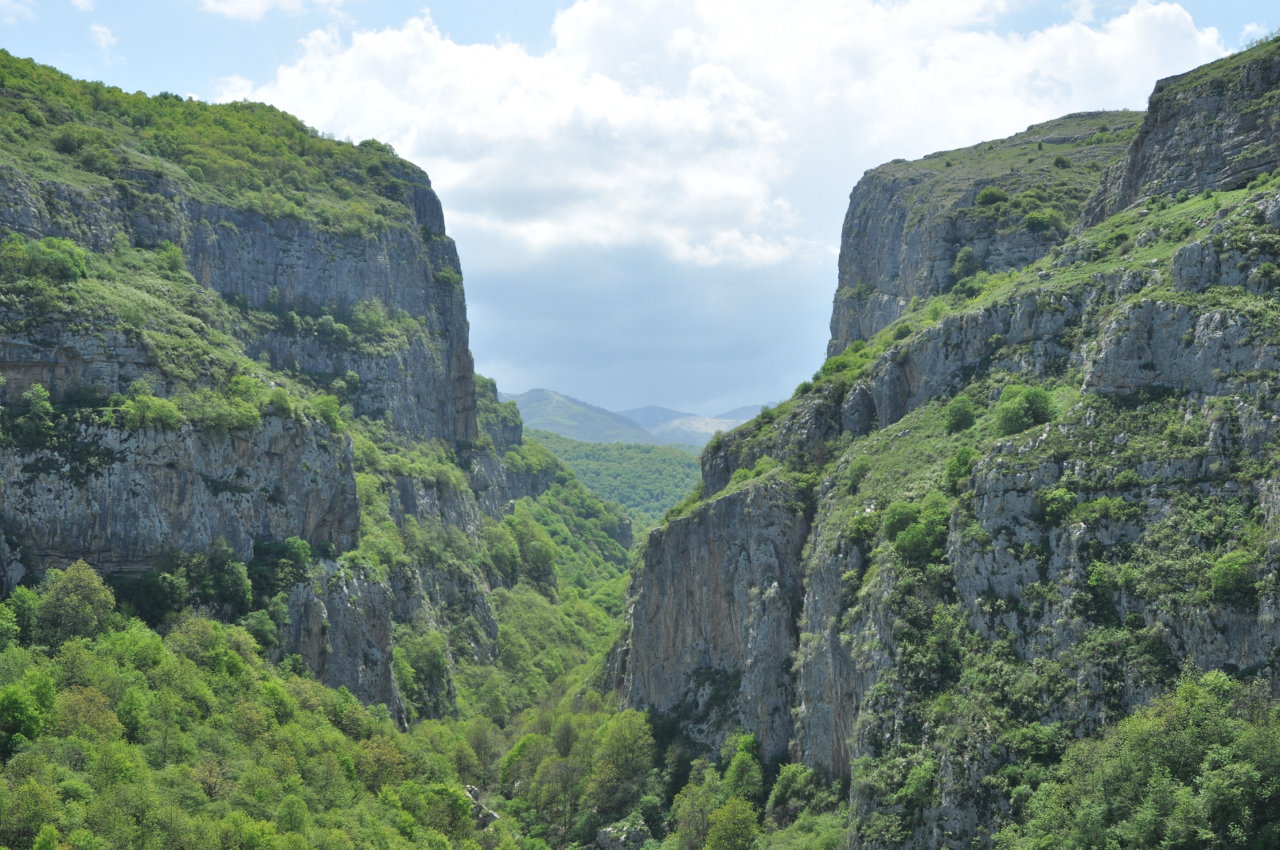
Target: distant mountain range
x: 561, y: 414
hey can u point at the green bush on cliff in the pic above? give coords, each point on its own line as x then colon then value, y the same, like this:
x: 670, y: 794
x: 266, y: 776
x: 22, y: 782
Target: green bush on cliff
x: 1022, y: 407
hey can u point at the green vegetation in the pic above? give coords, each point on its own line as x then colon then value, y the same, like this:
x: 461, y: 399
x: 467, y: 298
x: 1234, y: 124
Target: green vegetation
x: 1167, y: 513
x: 114, y: 736
x: 159, y: 711
x: 1022, y: 407
x: 247, y: 155
x: 645, y: 480
x: 1195, y: 769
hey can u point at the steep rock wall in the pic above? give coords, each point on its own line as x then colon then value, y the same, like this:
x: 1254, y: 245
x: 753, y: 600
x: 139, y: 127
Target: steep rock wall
x: 1209, y: 129
x: 713, y: 626
x: 907, y: 221
x: 284, y: 265
x: 1079, y: 612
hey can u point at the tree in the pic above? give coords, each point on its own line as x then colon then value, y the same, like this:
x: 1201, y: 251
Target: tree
x: 47, y: 838
x: 20, y: 717
x: 743, y: 776
x: 75, y: 603
x: 9, y: 628
x: 959, y: 468
x: 34, y: 428
x: 733, y: 826
x: 966, y: 264
x: 793, y: 791
x: 23, y: 602
x: 623, y: 759
x: 692, y: 807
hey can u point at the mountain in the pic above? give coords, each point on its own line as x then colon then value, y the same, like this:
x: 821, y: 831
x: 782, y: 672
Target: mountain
x: 651, y: 416
x: 693, y: 430
x: 280, y: 570
x: 741, y: 414
x: 560, y: 414
x: 577, y: 420
x: 1030, y: 492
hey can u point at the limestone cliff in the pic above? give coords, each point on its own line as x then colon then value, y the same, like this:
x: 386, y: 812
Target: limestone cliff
x: 908, y: 221
x: 949, y: 586
x: 290, y: 266
x: 1209, y: 129
x: 249, y: 333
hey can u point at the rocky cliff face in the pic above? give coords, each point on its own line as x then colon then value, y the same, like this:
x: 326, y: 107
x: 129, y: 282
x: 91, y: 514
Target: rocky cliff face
x: 908, y: 221
x: 946, y: 601
x: 1204, y: 130
x: 737, y: 566
x: 365, y: 303
x: 285, y: 266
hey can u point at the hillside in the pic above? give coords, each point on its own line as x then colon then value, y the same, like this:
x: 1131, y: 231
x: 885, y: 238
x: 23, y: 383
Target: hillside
x: 547, y: 410
x: 551, y: 411
x: 645, y: 480
x: 260, y: 517
x: 1032, y: 484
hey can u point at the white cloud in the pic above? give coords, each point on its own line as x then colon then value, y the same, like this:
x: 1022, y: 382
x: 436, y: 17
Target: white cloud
x: 722, y: 131
x: 83, y: 5
x: 252, y: 10
x: 1081, y: 10
x: 102, y: 36
x: 16, y: 11
x: 1253, y: 31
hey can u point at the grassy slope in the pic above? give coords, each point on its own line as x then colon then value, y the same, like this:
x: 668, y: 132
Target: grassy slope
x: 244, y: 154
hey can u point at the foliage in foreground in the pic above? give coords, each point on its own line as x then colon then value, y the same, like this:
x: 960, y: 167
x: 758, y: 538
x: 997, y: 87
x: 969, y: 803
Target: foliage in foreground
x: 114, y: 736
x: 1198, y: 768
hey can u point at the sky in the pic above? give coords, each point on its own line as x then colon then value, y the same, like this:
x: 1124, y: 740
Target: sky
x: 646, y: 194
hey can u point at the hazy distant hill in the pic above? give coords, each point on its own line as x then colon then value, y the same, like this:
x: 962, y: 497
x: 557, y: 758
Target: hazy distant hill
x: 651, y: 415
x: 550, y: 411
x: 742, y: 414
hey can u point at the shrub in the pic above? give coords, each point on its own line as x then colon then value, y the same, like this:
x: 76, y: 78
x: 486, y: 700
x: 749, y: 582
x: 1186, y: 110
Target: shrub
x: 1061, y: 161
x: 959, y: 414
x: 1231, y: 578
x: 1056, y: 504
x: 35, y: 427
x: 898, y: 516
x: 990, y: 196
x: 1021, y: 407
x: 959, y: 468
x: 923, y: 540
x: 1045, y: 221
x: 145, y: 411
x: 966, y: 264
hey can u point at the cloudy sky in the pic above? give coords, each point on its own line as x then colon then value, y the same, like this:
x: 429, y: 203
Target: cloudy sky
x: 647, y: 194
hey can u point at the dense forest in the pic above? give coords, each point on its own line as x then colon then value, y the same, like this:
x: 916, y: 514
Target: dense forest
x: 644, y: 480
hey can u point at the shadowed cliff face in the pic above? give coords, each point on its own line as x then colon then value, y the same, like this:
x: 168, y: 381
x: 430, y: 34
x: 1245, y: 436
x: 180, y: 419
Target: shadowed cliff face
x: 952, y: 595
